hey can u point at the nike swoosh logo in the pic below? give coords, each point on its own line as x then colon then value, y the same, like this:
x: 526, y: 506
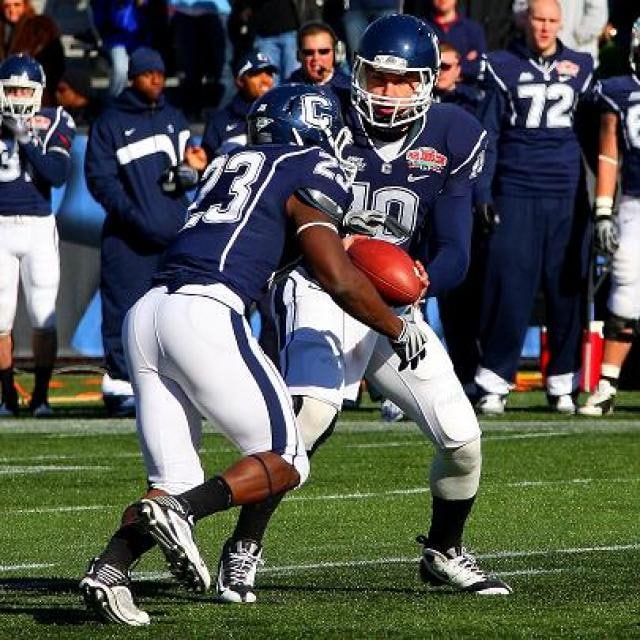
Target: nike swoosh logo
x: 412, y: 178
x: 128, y: 132
x: 230, y: 127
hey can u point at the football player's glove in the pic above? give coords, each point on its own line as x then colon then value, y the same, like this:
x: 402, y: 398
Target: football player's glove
x: 487, y: 217
x: 179, y: 177
x: 411, y: 344
x: 368, y: 222
x: 605, y: 230
x: 19, y: 128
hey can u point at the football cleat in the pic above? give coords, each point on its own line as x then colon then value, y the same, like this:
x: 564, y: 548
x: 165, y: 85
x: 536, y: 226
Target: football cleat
x: 170, y: 525
x: 391, y: 412
x: 8, y: 411
x: 106, y: 590
x: 41, y: 410
x: 601, y: 401
x: 237, y: 568
x: 562, y: 404
x: 459, y: 569
x: 491, y: 404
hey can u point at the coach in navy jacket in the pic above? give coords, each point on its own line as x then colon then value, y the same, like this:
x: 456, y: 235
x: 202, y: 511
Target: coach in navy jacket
x: 130, y: 147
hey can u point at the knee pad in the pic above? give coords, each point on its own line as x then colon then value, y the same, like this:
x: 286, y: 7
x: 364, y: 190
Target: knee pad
x: 316, y: 420
x: 455, y: 473
x: 617, y: 328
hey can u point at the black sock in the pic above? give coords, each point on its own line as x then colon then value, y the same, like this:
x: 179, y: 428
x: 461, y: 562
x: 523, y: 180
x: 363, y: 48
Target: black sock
x: 210, y: 497
x: 254, y: 519
x: 447, y: 523
x: 9, y: 393
x: 128, y: 543
x: 41, y: 385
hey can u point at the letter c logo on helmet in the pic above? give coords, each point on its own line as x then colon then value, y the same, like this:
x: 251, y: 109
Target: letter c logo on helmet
x: 397, y: 44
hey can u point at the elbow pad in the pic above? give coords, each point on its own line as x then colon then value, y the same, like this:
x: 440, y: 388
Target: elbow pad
x: 318, y: 200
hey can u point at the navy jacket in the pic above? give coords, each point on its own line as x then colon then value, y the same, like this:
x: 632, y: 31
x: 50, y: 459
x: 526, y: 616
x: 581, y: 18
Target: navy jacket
x: 226, y: 129
x: 129, y: 147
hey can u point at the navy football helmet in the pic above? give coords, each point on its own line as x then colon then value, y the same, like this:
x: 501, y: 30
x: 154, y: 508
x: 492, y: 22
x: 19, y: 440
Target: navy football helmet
x: 300, y: 115
x: 21, y: 72
x: 398, y: 44
x: 634, y: 54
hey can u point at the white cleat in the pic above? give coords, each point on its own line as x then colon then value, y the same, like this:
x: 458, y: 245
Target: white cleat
x: 391, y: 412
x: 106, y: 590
x: 458, y: 569
x: 237, y: 568
x: 601, y: 401
x: 167, y: 521
x: 491, y: 404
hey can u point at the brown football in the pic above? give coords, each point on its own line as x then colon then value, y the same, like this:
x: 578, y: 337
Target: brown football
x: 391, y: 270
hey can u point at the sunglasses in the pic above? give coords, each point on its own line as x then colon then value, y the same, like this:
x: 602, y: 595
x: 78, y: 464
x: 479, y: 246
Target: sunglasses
x: 445, y: 67
x: 307, y: 53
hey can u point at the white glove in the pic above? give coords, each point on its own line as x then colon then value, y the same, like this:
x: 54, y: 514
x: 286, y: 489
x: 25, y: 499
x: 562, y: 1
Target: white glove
x: 19, y: 128
x: 366, y: 222
x: 411, y: 344
x: 605, y: 228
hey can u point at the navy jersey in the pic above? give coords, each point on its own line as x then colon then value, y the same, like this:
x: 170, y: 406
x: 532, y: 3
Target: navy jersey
x: 621, y: 95
x: 238, y: 227
x: 28, y: 171
x: 426, y: 186
x: 529, y: 111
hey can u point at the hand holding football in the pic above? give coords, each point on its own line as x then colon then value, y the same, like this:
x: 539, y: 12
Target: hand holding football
x: 390, y: 269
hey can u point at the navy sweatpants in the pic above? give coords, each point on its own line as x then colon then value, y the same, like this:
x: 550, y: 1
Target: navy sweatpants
x: 539, y: 242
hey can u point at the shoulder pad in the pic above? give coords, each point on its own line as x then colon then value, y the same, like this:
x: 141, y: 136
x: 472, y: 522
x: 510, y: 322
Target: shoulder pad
x: 318, y: 200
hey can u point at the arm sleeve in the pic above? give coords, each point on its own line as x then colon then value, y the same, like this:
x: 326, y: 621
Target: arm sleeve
x: 490, y: 112
x: 105, y: 185
x: 53, y: 164
x: 449, y: 242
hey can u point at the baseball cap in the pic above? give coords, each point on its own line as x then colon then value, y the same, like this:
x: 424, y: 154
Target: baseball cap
x: 252, y: 62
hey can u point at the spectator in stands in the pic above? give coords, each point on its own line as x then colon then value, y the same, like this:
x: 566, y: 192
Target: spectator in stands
x: 275, y: 24
x: 227, y: 128
x: 36, y: 143
x: 317, y: 45
x: 75, y: 94
x: 532, y: 175
x: 466, y: 35
x: 582, y: 23
x: 495, y: 17
x: 617, y: 236
x: 132, y: 151
x: 24, y: 31
x: 202, y: 51
x: 359, y: 14
x: 122, y: 25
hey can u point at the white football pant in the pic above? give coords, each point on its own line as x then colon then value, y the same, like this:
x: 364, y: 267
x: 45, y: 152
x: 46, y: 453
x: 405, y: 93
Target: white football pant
x: 29, y: 252
x: 326, y: 353
x: 624, y: 297
x: 192, y: 354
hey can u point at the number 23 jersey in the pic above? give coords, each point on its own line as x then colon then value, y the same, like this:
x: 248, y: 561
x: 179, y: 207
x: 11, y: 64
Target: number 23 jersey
x: 238, y: 229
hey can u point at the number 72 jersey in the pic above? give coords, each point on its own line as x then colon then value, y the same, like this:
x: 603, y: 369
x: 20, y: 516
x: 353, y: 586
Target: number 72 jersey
x: 529, y: 112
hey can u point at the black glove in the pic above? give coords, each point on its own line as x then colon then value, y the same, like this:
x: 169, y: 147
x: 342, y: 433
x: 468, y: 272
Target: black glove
x: 19, y: 127
x: 487, y: 216
x: 411, y: 344
x: 180, y: 177
x: 605, y: 229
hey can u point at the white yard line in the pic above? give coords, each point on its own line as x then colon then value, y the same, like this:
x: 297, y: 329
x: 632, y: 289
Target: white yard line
x: 9, y: 470
x: 20, y: 567
x: 339, y: 496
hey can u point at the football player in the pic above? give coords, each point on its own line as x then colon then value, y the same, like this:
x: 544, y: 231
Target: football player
x: 533, y: 90
x: 617, y: 235
x: 190, y: 349
x: 34, y: 156
x: 416, y: 166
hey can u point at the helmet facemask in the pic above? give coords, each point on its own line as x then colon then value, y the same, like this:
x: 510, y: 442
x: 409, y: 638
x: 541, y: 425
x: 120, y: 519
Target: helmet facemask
x: 17, y: 106
x: 402, y: 110
x: 634, y: 54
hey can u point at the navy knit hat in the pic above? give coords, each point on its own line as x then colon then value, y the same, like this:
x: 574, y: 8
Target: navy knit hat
x: 144, y: 59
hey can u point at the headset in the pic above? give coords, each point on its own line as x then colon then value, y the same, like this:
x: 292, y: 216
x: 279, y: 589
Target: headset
x: 317, y: 27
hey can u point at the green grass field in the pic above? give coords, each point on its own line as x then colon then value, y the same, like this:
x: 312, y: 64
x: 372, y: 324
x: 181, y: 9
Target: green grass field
x: 558, y: 516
